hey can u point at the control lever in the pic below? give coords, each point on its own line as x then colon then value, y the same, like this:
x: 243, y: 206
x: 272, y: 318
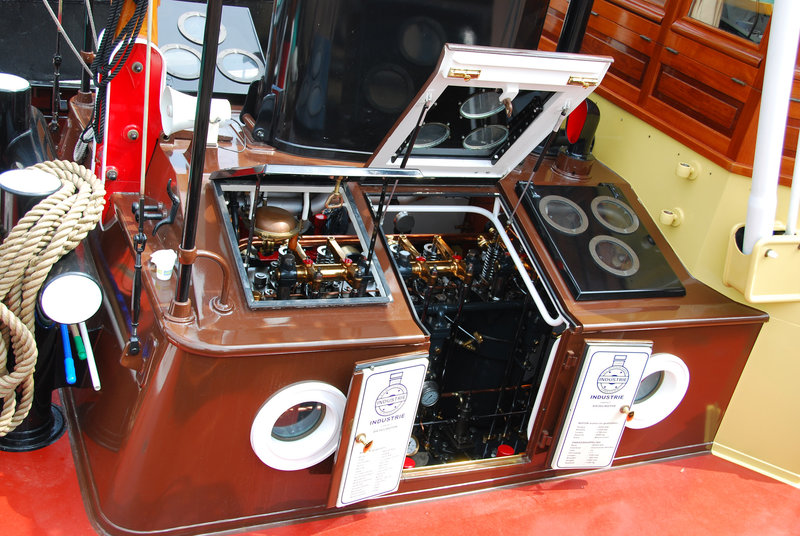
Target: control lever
x: 150, y: 212
x: 173, y: 211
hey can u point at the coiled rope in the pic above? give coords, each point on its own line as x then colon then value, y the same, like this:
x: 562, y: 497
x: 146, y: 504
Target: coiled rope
x: 50, y: 230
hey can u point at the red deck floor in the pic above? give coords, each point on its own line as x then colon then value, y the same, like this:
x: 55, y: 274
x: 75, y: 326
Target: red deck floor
x: 39, y: 496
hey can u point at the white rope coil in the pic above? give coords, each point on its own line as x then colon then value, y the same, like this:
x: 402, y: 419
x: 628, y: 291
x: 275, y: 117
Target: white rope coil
x: 48, y: 231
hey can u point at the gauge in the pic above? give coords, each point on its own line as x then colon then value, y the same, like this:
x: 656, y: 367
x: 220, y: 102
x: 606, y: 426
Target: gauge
x: 413, y: 446
x: 430, y: 393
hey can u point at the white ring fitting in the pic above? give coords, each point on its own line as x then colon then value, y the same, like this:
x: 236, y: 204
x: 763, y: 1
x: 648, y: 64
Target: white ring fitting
x: 309, y: 450
x: 667, y: 396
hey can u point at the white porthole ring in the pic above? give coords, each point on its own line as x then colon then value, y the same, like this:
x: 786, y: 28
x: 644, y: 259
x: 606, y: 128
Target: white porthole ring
x: 667, y: 396
x: 308, y: 450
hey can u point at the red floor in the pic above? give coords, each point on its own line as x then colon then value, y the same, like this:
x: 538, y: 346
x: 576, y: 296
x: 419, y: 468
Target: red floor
x: 39, y: 496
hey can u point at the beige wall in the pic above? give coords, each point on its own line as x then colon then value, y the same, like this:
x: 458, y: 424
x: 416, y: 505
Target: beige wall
x: 761, y: 428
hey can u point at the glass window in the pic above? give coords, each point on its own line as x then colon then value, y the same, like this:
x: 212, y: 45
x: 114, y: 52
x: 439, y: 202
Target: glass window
x: 745, y: 18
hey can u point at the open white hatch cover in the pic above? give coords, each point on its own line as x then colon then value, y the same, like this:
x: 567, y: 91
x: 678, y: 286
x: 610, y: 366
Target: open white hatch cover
x: 485, y: 109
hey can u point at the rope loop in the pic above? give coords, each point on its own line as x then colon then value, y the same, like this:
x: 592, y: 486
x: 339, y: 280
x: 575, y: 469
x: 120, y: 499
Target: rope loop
x: 47, y: 232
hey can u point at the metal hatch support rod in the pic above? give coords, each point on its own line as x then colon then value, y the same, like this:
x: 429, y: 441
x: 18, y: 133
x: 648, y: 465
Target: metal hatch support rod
x: 188, y: 252
x: 381, y: 213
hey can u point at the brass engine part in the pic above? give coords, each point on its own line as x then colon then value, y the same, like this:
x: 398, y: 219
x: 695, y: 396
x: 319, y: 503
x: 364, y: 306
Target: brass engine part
x: 275, y: 225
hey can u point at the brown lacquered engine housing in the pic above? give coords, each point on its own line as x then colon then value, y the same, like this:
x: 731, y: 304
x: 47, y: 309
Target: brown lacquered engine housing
x: 710, y: 333
x: 164, y: 447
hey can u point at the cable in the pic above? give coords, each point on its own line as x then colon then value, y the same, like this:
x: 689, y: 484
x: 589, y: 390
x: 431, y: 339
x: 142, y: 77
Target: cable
x: 120, y: 48
x: 91, y: 24
x: 66, y: 37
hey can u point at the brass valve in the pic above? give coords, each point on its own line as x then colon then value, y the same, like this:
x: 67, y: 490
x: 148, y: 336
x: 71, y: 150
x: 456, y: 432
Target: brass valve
x: 362, y: 439
x: 335, y: 200
x: 628, y: 412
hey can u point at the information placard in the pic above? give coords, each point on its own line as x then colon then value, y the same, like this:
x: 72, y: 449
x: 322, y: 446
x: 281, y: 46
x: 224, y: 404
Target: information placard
x: 384, y: 417
x: 596, y: 417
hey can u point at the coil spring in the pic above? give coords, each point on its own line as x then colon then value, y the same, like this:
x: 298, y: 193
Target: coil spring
x: 490, y: 261
x: 429, y: 252
x: 324, y: 256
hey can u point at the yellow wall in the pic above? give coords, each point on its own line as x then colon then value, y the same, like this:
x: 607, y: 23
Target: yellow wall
x: 761, y: 428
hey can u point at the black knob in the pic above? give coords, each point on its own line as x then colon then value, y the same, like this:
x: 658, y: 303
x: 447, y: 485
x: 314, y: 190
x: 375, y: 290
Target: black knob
x: 259, y: 281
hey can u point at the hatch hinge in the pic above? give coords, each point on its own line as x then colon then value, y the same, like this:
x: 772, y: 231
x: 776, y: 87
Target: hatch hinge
x: 466, y: 74
x: 583, y: 81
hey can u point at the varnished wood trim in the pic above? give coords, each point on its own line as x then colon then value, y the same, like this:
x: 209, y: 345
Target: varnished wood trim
x: 645, y: 9
x: 460, y: 467
x: 737, y: 48
x: 642, y: 112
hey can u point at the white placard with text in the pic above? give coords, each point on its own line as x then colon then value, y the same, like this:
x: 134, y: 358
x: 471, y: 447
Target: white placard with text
x: 608, y: 382
x: 382, y: 425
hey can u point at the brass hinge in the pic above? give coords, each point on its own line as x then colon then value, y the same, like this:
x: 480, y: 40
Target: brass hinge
x: 466, y: 74
x: 545, y: 440
x: 583, y: 81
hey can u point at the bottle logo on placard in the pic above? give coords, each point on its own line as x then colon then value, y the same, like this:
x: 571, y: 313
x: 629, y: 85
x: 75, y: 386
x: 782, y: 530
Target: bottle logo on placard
x: 614, y: 377
x: 392, y: 398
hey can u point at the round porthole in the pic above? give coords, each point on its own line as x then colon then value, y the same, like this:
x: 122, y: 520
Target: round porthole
x: 182, y: 61
x: 421, y: 40
x: 614, y: 214
x: 482, y: 105
x: 663, y: 386
x: 299, y: 426
x: 563, y: 214
x: 431, y: 135
x: 613, y: 255
x: 487, y: 137
x: 388, y: 88
x: 240, y: 65
x: 192, y: 26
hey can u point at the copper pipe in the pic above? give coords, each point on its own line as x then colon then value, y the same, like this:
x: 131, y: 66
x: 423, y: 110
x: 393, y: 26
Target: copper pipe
x: 220, y: 304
